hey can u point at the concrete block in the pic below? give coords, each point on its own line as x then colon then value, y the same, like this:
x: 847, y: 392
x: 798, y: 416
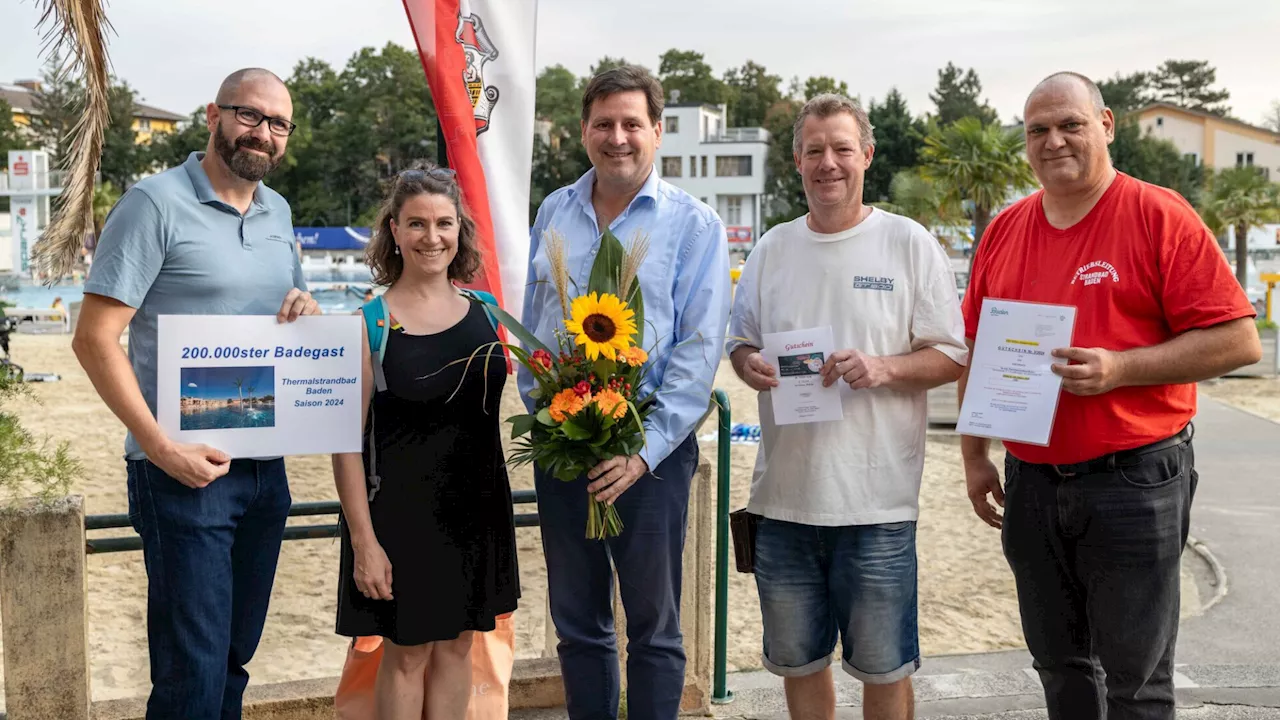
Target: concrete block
x: 44, y: 610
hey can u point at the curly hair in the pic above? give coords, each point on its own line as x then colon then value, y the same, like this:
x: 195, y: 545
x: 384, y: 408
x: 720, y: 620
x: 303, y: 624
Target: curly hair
x: 381, y: 255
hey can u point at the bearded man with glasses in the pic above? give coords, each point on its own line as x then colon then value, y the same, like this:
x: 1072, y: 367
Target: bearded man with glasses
x: 204, y: 238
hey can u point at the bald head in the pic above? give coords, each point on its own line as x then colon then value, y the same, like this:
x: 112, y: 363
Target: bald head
x: 1062, y: 81
x: 230, y: 88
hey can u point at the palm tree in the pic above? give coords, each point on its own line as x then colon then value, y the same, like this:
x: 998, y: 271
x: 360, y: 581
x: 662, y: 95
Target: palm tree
x: 250, y: 389
x: 924, y: 200
x: 105, y: 196
x: 982, y: 165
x: 1240, y: 198
x: 239, y: 383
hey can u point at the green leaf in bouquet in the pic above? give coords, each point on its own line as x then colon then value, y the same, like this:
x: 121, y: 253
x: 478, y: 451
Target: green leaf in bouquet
x: 522, y: 424
x: 544, y: 417
x: 535, y: 393
x: 608, y: 265
x: 636, y: 303
x: 516, y: 328
x: 573, y: 430
x: 604, y: 368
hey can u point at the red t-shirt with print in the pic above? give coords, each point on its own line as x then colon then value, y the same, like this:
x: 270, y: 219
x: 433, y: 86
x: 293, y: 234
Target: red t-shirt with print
x: 1140, y: 268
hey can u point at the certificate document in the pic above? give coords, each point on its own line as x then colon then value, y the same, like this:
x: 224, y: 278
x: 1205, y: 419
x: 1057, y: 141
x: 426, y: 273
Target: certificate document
x: 1012, y: 392
x: 798, y: 357
x: 252, y: 387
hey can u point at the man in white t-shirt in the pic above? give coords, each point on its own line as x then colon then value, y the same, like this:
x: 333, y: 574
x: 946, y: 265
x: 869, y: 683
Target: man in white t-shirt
x: 838, y: 501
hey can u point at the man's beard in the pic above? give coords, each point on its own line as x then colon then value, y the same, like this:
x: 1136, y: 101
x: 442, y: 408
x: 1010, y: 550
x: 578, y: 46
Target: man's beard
x: 245, y: 164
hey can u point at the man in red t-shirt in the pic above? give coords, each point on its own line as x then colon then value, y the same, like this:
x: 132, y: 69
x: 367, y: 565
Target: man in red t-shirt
x: 1094, y: 523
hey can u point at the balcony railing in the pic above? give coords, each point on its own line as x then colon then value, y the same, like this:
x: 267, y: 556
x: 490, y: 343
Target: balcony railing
x: 741, y: 134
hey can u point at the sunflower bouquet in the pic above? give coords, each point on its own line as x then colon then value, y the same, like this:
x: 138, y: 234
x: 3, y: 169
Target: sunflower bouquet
x: 587, y: 406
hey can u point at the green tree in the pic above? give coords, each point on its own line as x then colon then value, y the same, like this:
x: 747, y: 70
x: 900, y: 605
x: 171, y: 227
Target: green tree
x: 29, y: 466
x: 1156, y: 161
x: 815, y: 86
x: 607, y: 63
x: 753, y: 92
x: 1126, y: 93
x: 925, y: 200
x: 1240, y: 198
x: 686, y: 71
x: 123, y: 159
x: 105, y: 196
x: 1271, y: 120
x: 899, y: 138
x: 1189, y: 84
x: 958, y: 95
x: 57, y: 104
x: 982, y: 166
x: 784, y: 186
x: 559, y: 159
x: 172, y: 149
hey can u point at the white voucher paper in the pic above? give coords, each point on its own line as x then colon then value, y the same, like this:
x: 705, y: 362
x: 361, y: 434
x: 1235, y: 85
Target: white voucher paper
x: 252, y: 387
x: 798, y: 356
x: 1012, y: 392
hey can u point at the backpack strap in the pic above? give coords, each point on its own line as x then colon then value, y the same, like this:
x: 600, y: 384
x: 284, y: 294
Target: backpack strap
x: 376, y: 322
x: 485, y: 299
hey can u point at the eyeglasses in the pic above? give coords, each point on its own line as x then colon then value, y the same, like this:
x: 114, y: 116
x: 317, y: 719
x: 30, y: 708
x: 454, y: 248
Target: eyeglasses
x: 439, y: 173
x: 252, y: 118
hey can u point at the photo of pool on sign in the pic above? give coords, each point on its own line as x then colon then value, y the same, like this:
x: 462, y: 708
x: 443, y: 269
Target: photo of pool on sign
x: 794, y: 365
x: 220, y: 398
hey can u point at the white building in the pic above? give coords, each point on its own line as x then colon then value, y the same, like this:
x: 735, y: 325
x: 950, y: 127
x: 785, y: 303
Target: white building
x: 722, y: 166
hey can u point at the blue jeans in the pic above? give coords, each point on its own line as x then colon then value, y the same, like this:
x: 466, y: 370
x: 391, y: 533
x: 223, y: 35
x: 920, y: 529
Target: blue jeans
x: 1096, y: 554
x: 648, y: 554
x: 211, y: 559
x: 857, y: 582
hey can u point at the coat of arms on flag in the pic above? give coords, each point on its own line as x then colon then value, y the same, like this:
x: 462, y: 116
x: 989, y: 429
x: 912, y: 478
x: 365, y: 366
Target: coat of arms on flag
x: 478, y: 50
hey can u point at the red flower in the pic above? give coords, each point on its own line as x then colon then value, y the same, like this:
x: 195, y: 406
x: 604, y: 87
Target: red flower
x: 541, y: 359
x: 582, y: 389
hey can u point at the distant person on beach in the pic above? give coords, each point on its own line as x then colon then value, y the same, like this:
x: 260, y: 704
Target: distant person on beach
x: 1094, y: 524
x: 428, y: 535
x: 57, y: 305
x: 368, y: 295
x: 835, y: 503
x: 206, y: 237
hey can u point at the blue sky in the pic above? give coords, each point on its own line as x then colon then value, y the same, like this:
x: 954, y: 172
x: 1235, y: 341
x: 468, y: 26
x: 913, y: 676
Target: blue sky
x: 175, y: 52
x: 215, y: 383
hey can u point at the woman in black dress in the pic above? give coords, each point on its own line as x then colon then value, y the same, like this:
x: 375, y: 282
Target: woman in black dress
x: 428, y: 540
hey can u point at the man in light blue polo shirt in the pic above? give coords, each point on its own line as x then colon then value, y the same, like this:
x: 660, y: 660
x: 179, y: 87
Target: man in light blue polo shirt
x: 685, y: 281
x: 203, y: 238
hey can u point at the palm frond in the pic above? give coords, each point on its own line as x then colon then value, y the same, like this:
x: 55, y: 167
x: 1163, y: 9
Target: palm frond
x: 79, y: 27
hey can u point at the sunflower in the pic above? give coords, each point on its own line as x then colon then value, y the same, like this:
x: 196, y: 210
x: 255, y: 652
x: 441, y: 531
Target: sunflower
x: 603, y: 325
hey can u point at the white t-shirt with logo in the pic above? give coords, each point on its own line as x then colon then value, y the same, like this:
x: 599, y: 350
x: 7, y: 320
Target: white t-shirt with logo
x: 885, y: 287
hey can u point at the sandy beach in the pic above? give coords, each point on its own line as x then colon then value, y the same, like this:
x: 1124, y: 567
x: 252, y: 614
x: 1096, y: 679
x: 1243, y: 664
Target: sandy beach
x: 967, y: 601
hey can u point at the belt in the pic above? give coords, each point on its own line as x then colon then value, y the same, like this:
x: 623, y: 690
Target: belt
x: 1109, y: 462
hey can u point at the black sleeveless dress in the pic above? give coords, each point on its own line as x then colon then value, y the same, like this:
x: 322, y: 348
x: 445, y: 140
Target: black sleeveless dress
x: 442, y: 511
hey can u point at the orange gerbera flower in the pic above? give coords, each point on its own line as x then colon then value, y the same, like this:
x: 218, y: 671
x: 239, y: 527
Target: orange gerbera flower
x: 635, y: 356
x: 567, y: 403
x: 612, y: 403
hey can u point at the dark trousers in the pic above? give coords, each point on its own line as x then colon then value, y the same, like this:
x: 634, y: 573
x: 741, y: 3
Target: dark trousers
x: 1095, y: 551
x: 648, y: 554
x: 211, y: 560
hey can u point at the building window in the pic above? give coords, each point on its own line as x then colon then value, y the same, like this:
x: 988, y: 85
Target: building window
x: 671, y: 166
x: 1159, y: 122
x: 144, y: 124
x: 693, y: 166
x: 704, y: 128
x: 733, y: 166
x: 704, y: 166
x: 733, y: 210
x: 1248, y: 159
x: 1193, y: 157
x: 671, y: 124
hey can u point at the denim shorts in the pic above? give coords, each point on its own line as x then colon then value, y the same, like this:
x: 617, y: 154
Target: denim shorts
x: 858, y: 581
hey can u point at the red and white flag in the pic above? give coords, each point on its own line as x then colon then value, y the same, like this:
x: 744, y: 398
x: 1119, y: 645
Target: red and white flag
x: 479, y: 60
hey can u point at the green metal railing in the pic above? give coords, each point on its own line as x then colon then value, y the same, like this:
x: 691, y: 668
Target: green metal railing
x: 720, y: 401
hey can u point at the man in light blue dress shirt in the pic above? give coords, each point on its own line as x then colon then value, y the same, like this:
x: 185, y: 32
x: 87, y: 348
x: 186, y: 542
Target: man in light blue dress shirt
x: 685, y: 280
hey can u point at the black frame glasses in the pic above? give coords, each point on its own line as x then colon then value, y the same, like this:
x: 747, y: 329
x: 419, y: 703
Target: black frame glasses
x: 249, y: 117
